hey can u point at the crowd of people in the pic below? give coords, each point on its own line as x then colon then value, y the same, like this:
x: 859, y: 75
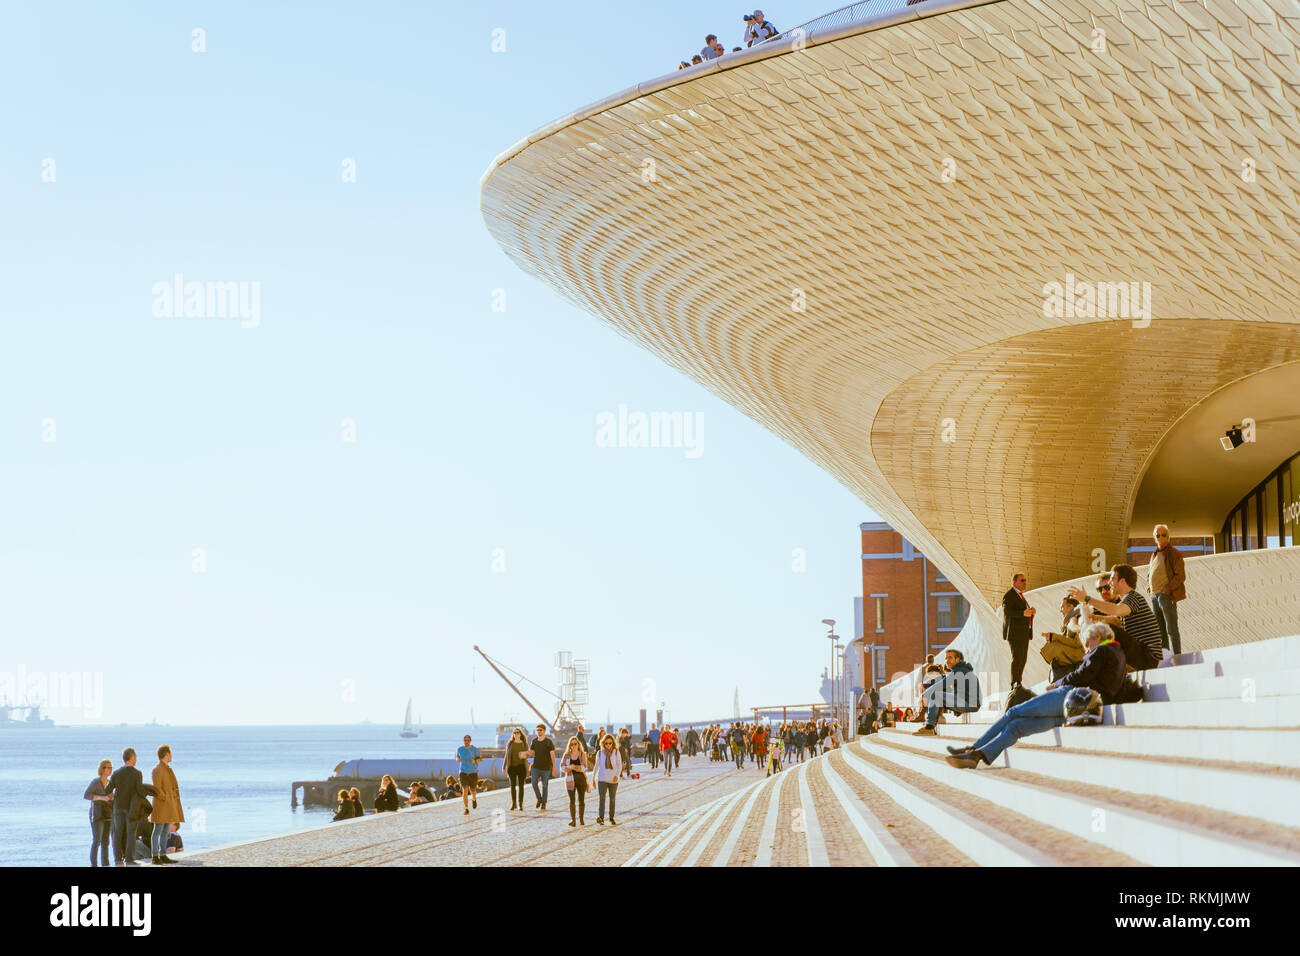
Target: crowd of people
x: 770, y: 746
x: 1103, y: 638
x: 757, y: 29
x: 134, y: 817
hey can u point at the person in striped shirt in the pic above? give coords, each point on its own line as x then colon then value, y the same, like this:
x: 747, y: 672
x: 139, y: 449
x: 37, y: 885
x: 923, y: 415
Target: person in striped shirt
x: 1132, y: 612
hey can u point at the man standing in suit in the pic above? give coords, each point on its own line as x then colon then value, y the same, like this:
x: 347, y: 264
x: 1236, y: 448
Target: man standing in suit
x: 1017, y: 625
x: 128, y: 787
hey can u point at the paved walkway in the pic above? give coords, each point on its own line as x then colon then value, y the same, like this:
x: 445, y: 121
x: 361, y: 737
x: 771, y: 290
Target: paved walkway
x: 441, y: 835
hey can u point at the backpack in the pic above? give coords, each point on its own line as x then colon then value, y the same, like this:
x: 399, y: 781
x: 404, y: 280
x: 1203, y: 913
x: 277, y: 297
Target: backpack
x: 1018, y: 695
x: 1130, y: 692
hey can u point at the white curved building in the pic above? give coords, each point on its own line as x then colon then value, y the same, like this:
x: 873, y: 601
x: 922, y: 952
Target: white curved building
x: 1007, y: 270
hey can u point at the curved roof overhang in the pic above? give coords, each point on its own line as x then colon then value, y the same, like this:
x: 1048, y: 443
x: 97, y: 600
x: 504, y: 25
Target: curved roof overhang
x: 863, y: 244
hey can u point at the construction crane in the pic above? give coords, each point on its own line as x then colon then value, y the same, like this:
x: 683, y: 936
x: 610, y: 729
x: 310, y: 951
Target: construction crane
x: 556, y: 726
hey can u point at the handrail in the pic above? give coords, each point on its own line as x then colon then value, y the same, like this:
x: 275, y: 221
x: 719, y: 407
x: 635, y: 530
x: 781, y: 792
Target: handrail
x: 836, y: 18
x: 883, y: 13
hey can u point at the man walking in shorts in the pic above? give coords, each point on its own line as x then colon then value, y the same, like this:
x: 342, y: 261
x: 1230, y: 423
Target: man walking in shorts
x: 469, y: 757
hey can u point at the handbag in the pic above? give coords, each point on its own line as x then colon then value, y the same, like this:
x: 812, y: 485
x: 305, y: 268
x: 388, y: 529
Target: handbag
x: 1062, y: 649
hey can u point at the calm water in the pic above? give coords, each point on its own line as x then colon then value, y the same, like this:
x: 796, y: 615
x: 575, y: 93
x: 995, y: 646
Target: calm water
x: 234, y: 780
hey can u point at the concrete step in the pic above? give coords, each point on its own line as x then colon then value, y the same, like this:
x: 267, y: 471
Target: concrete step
x: 771, y: 803
x: 670, y: 839
x: 1138, y: 834
x: 1271, y: 797
x: 737, y: 820
x: 1278, y: 653
x: 880, y: 843
x: 1192, y: 683
x: 1275, y: 712
x: 1276, y: 748
x: 984, y: 844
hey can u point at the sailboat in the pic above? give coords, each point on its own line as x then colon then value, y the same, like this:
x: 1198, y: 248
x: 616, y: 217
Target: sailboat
x: 407, y: 729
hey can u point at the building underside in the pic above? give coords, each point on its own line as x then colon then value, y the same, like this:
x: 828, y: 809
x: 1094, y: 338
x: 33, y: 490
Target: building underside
x: 853, y: 236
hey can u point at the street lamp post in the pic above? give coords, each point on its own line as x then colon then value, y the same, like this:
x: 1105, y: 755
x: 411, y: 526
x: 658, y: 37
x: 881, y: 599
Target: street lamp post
x: 834, y: 639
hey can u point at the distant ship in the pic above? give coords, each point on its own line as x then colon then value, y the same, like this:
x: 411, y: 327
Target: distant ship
x: 827, y: 689
x: 408, y: 729
x: 9, y: 716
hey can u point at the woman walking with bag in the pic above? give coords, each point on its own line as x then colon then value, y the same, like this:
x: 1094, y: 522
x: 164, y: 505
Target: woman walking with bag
x: 517, y: 766
x: 609, y: 764
x: 575, y: 773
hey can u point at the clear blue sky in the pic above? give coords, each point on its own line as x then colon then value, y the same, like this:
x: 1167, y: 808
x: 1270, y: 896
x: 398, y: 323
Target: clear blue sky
x: 367, y: 561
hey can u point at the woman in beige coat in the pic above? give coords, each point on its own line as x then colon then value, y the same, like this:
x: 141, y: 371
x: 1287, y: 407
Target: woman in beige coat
x: 166, y: 805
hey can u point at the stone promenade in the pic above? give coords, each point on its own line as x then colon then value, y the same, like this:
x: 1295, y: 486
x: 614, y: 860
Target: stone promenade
x: 441, y: 835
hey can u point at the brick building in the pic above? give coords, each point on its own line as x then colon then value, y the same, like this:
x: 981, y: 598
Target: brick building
x: 909, y: 609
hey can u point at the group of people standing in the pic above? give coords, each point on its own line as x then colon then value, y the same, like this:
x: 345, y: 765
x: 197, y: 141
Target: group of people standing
x: 1145, y: 625
x: 121, y: 812
x: 537, y: 761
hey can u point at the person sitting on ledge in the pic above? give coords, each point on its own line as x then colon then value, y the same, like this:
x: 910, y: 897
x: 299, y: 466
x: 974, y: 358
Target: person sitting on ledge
x: 1102, y: 670
x: 958, y: 691
x: 452, y: 790
x: 1132, y: 612
x: 344, y: 811
x: 386, y: 800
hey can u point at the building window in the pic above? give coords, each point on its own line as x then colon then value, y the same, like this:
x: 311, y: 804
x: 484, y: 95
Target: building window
x: 1272, y: 512
x: 1268, y: 517
x: 952, y: 610
x: 1291, y: 504
x: 880, y: 665
x: 880, y: 614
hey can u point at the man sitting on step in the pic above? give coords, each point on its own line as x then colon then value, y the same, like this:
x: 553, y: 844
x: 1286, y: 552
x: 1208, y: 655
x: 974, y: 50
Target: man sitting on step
x: 958, y: 691
x: 1101, y: 669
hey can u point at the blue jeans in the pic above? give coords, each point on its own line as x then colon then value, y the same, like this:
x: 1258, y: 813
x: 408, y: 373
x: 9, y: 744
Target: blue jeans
x: 99, y: 841
x: 1167, y: 616
x: 1044, y: 712
x: 158, y: 839
x: 545, y: 777
x: 955, y: 692
x: 123, y: 838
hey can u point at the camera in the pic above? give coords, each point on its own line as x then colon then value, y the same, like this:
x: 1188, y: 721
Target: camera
x: 749, y: 17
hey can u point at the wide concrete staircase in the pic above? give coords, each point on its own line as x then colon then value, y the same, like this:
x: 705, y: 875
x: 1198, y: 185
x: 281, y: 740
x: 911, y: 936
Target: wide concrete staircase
x: 1205, y: 771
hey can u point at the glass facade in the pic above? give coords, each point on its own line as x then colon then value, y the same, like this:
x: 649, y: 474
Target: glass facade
x: 1268, y: 517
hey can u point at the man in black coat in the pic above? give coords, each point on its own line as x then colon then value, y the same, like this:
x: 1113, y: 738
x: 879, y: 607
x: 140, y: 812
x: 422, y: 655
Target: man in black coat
x: 1017, y: 625
x: 128, y: 788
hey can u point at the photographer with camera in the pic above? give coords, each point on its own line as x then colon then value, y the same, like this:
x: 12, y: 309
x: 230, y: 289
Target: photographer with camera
x: 757, y: 28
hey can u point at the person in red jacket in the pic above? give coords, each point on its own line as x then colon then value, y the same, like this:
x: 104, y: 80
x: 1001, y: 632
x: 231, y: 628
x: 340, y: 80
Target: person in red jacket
x: 667, y: 743
x: 759, y: 741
